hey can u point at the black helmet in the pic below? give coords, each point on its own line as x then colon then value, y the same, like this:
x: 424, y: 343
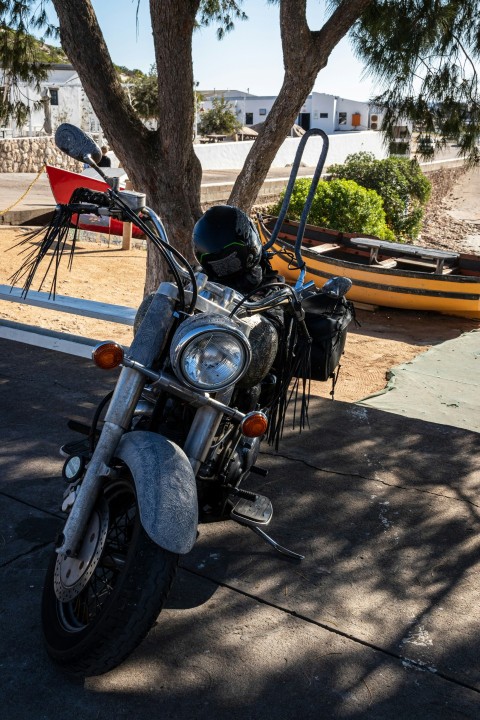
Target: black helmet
x: 226, y: 244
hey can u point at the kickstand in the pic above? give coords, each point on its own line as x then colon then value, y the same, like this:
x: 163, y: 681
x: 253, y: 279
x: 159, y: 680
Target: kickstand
x: 274, y: 544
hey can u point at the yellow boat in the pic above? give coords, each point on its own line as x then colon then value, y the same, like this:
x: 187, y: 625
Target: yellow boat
x: 383, y: 273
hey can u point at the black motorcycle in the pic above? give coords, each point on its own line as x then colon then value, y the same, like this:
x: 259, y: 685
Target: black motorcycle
x: 217, y: 354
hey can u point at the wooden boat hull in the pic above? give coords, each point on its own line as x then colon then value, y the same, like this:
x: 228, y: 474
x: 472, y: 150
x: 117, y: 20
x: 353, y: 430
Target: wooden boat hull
x: 450, y: 293
x: 64, y: 182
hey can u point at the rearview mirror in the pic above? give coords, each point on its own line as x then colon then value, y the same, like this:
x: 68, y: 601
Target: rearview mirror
x: 337, y: 287
x: 77, y: 144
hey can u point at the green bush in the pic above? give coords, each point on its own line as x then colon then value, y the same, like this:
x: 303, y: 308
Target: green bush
x: 220, y: 119
x: 399, y: 182
x: 339, y: 205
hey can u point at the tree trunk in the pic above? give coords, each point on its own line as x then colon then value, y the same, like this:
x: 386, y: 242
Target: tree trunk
x: 161, y: 163
x: 305, y: 53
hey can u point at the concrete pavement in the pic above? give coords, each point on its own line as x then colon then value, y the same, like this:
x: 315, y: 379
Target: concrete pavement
x: 39, y: 202
x: 379, y: 621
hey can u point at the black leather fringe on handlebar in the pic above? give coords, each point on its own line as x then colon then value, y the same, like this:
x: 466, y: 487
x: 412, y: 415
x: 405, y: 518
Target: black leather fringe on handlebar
x: 294, y: 364
x: 57, y: 241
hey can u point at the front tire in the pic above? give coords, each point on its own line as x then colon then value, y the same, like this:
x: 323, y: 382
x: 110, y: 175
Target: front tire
x: 107, y: 612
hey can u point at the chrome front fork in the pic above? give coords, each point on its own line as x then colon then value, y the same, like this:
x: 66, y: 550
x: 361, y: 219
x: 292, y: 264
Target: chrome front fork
x: 147, y: 345
x: 117, y: 421
x: 204, y: 426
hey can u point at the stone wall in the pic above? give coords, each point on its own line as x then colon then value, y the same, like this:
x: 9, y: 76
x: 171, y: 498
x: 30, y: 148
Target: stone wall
x: 31, y: 154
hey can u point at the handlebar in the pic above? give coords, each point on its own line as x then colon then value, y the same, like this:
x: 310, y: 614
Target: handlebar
x: 126, y: 205
x: 151, y: 224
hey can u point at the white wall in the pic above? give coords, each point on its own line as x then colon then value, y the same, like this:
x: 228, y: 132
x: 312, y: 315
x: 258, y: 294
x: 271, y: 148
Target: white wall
x: 72, y: 105
x: 242, y: 104
x: 316, y: 104
x: 350, y: 107
x: 231, y: 155
x: 322, y: 104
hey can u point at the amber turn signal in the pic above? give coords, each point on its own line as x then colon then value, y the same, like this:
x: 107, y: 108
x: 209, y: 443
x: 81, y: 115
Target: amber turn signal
x: 107, y: 355
x: 254, y: 424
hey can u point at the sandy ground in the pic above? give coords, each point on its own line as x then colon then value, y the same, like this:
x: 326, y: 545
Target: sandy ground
x: 384, y: 339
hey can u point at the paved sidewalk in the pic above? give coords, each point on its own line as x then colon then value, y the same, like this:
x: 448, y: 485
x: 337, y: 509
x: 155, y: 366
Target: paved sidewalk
x: 39, y: 201
x: 379, y: 621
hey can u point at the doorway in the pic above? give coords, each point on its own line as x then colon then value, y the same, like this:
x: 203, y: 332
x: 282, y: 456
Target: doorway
x: 304, y: 121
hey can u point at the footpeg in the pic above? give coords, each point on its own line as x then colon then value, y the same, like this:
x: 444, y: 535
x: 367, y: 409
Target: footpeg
x: 259, y: 471
x: 77, y: 447
x: 253, y: 512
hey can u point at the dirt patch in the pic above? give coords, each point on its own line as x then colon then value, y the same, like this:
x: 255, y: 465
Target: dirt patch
x: 99, y: 272
x: 440, y: 229
x: 384, y: 338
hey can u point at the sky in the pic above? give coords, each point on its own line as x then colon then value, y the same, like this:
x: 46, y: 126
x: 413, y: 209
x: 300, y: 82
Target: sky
x: 248, y: 59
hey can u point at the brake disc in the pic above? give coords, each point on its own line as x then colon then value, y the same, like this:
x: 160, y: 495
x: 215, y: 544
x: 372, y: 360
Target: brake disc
x: 72, y: 574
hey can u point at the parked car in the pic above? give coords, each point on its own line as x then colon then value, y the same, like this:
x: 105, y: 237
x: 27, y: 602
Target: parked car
x: 425, y: 145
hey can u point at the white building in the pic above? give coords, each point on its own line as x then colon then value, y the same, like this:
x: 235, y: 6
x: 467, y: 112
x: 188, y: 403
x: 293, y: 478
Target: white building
x: 67, y: 103
x: 349, y: 123
x: 328, y: 112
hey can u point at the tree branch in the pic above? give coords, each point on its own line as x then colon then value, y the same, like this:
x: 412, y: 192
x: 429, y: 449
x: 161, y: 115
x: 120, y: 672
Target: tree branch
x: 96, y: 71
x: 339, y: 24
x: 173, y: 24
x: 305, y: 54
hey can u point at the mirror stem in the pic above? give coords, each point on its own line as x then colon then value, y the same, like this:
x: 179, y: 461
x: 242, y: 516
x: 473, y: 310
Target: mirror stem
x: 90, y: 161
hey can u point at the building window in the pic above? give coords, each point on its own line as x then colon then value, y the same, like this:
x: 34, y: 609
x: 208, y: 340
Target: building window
x: 262, y: 111
x: 342, y: 118
x: 323, y: 115
x: 53, y: 96
x: 249, y: 118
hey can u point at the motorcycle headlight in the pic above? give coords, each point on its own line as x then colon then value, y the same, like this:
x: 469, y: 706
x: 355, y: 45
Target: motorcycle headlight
x: 209, y: 352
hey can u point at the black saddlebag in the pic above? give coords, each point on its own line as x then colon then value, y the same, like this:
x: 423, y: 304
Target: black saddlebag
x: 327, y: 320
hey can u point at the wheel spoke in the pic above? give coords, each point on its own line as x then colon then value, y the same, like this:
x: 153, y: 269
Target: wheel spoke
x: 114, y: 560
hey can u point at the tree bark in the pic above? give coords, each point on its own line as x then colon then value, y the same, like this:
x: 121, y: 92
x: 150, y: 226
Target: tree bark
x: 161, y: 163
x: 305, y: 53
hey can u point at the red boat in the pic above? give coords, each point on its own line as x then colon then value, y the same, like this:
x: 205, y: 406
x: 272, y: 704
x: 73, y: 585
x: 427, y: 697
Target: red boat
x: 64, y: 182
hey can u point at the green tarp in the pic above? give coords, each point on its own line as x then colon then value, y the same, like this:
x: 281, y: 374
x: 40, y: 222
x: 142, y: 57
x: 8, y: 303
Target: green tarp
x: 440, y: 385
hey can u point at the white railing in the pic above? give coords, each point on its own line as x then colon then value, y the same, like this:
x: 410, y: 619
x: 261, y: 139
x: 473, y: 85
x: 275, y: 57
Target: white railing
x: 52, y: 339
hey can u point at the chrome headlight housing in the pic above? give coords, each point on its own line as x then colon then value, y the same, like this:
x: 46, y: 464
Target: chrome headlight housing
x: 209, y: 352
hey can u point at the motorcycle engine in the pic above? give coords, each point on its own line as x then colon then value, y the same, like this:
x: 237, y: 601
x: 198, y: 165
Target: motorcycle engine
x: 243, y: 459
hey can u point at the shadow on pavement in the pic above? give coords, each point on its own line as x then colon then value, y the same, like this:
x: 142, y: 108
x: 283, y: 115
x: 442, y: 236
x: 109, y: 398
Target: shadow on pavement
x: 380, y: 619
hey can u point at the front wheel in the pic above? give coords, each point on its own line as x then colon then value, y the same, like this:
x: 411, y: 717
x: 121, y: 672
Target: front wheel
x: 97, y: 607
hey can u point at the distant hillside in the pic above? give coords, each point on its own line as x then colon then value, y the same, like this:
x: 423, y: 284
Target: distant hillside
x: 52, y: 54
x: 43, y: 52
x: 126, y: 73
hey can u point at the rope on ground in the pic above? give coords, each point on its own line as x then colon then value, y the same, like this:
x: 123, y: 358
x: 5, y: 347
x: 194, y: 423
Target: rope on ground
x: 10, y: 207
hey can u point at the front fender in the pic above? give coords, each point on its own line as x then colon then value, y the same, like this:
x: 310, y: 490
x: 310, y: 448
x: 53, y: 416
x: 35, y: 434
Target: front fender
x: 166, y: 489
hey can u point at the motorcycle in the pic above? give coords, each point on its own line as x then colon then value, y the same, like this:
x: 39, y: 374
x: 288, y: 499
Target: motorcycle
x: 217, y: 354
